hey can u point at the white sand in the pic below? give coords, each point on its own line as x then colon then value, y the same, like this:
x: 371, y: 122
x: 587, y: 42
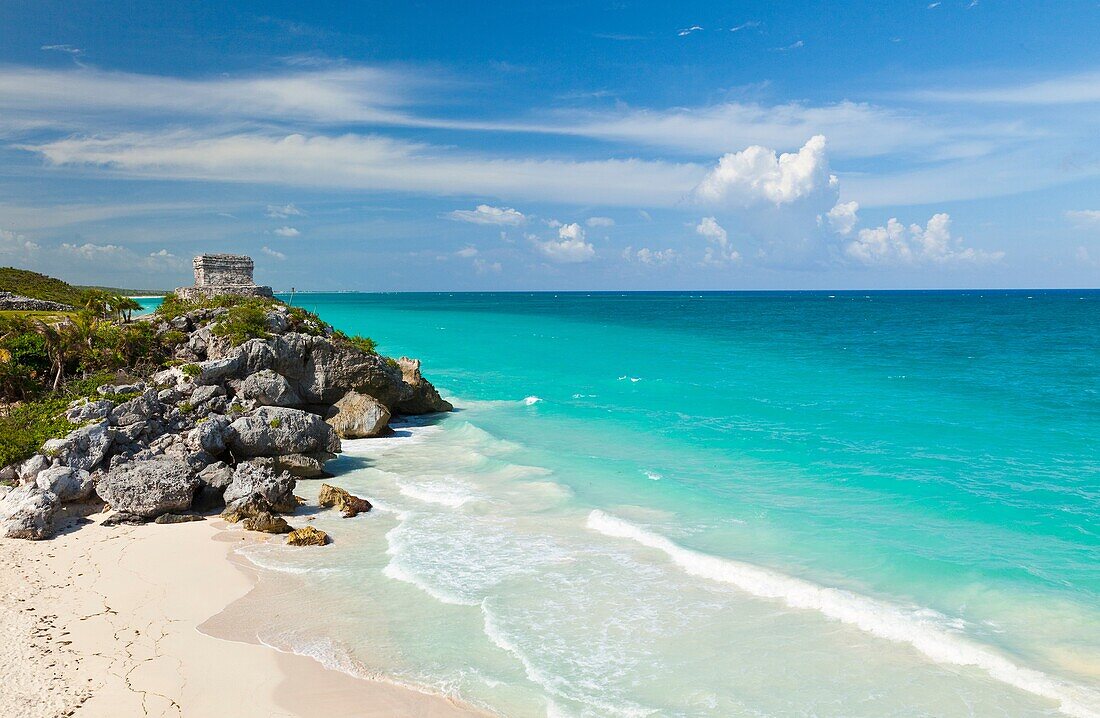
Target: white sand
x: 104, y: 622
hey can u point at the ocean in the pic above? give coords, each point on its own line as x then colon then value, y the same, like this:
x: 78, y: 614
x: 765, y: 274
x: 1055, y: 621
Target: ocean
x: 722, y: 504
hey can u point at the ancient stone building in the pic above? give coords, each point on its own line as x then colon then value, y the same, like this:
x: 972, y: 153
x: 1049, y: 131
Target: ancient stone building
x: 223, y: 274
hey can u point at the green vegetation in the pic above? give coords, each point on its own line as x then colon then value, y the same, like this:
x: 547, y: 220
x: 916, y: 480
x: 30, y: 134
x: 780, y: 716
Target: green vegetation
x: 275, y: 422
x: 191, y: 370
x: 363, y: 344
x: 241, y: 323
x: 39, y: 286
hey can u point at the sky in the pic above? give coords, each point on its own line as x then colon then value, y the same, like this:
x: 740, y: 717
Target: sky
x: 452, y: 146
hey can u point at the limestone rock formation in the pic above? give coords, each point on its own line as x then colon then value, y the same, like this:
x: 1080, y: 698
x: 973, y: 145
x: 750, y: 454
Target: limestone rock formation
x: 267, y: 523
x: 66, y: 483
x: 27, y: 512
x: 423, y: 397
x: 82, y: 448
x: 149, y: 488
x: 358, y: 416
x: 277, y: 431
x: 256, y: 488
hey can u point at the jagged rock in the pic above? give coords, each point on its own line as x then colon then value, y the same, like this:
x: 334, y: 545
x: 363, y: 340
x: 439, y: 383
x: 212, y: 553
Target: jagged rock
x: 256, y: 488
x: 5, y: 489
x: 66, y: 483
x: 149, y: 488
x: 30, y: 468
x: 267, y: 523
x: 267, y: 388
x: 177, y: 518
x: 136, y: 410
x: 307, y: 536
x: 212, y: 483
x: 10, y: 473
x: 84, y: 410
x: 423, y: 399
x: 205, y: 393
x: 27, y: 512
x: 209, y: 435
x: 275, y: 322
x: 302, y: 466
x: 275, y: 431
x: 82, y: 448
x: 342, y: 501
x: 135, y: 388
x: 358, y: 416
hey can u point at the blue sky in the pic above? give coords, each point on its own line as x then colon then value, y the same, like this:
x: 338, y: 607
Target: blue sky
x: 579, y: 145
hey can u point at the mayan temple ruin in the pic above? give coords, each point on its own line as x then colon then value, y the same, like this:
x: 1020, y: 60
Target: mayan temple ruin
x: 223, y: 274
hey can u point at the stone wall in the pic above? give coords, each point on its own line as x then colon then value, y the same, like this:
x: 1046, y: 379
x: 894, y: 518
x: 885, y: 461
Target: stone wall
x: 212, y: 270
x: 15, y: 302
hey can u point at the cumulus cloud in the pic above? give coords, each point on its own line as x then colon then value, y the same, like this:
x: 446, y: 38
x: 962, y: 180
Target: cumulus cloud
x: 467, y: 252
x: 283, y: 211
x: 274, y: 254
x: 719, y: 252
x: 487, y: 214
x: 570, y: 247
x: 756, y: 175
x: 897, y: 245
x: 16, y: 247
x: 843, y: 217
x: 600, y: 222
x: 645, y: 255
x: 1084, y: 217
x: 287, y: 232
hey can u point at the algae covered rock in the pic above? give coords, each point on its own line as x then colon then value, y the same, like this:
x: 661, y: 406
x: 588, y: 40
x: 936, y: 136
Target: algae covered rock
x: 340, y: 499
x: 267, y: 523
x: 307, y: 536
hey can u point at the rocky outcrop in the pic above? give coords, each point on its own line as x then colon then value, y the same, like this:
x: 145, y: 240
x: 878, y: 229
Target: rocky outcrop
x: 358, y: 416
x: 83, y: 448
x: 149, y: 488
x: 177, y: 518
x: 256, y: 488
x: 27, y: 512
x: 342, y: 501
x: 278, y: 431
x: 422, y: 397
x: 66, y: 483
x: 307, y: 536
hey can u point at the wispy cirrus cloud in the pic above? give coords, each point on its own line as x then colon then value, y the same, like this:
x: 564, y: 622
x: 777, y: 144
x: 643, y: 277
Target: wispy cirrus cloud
x: 1069, y: 89
x: 488, y: 214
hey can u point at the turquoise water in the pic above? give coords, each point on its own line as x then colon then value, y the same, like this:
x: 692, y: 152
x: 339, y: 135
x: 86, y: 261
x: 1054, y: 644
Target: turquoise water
x: 716, y: 504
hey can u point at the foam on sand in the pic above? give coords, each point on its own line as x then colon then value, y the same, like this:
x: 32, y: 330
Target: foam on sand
x: 922, y: 629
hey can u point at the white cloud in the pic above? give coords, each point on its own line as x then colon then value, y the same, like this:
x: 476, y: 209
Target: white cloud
x: 649, y: 256
x: 287, y: 232
x: 688, y: 30
x: 896, y: 245
x: 283, y: 211
x: 600, y: 222
x: 483, y: 267
x: 719, y: 252
x: 793, y: 46
x: 16, y: 247
x: 273, y: 253
x: 745, y: 26
x: 93, y: 252
x: 68, y: 49
x: 467, y: 252
x: 487, y: 214
x: 843, y: 217
x: 1084, y: 217
x: 570, y: 247
x: 756, y: 175
x: 1071, y: 89
x: 118, y: 258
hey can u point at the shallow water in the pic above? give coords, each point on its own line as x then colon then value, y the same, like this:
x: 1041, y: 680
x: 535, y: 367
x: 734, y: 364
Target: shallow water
x: 725, y: 505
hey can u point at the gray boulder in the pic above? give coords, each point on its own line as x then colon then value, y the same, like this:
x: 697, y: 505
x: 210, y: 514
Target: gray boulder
x: 27, y: 512
x: 30, y: 468
x: 275, y: 431
x: 209, y: 436
x: 107, y: 389
x: 84, y: 410
x: 66, y: 483
x: 258, y: 488
x: 267, y: 388
x: 357, y: 416
x: 82, y: 448
x: 148, y: 488
x: 136, y: 410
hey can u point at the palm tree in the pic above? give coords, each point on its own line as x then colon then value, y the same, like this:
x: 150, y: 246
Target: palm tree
x: 59, y: 340
x: 126, y: 305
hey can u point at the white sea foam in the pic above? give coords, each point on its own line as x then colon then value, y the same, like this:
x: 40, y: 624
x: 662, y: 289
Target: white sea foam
x: 923, y: 629
x: 397, y: 572
x: 450, y: 493
x: 531, y: 400
x: 653, y: 475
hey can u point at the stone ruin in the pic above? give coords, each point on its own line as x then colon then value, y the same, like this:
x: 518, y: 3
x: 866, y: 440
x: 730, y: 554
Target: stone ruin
x: 222, y: 274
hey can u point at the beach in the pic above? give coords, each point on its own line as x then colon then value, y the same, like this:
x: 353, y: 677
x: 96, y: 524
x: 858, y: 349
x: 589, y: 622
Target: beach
x: 107, y: 621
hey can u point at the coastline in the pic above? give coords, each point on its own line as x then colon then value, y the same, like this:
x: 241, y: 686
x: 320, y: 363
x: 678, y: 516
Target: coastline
x: 107, y: 621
